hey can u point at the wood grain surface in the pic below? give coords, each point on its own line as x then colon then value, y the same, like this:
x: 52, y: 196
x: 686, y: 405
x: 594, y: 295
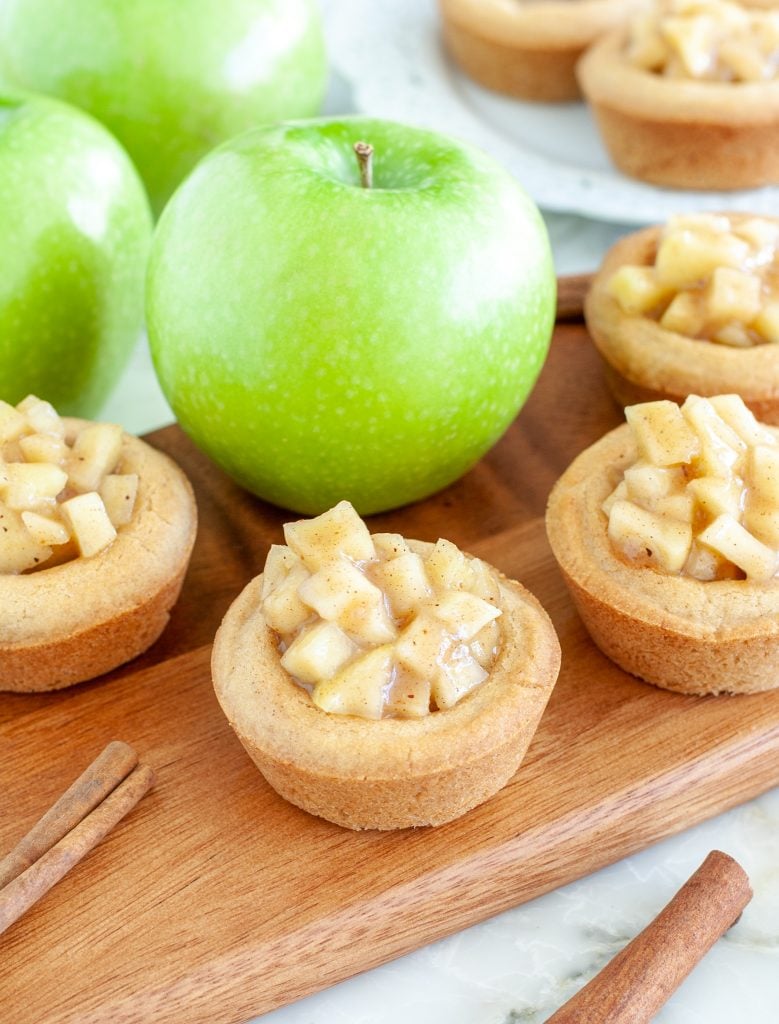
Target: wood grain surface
x: 215, y: 900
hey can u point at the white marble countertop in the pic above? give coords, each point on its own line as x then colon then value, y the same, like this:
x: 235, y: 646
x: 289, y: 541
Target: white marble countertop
x: 521, y: 965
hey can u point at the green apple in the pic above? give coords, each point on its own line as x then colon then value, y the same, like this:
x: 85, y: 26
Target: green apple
x: 324, y: 340
x: 170, y: 78
x: 75, y: 230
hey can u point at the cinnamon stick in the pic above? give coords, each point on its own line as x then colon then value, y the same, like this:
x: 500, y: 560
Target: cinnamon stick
x: 90, y: 788
x: 571, y: 292
x: 633, y: 986
x: 25, y: 890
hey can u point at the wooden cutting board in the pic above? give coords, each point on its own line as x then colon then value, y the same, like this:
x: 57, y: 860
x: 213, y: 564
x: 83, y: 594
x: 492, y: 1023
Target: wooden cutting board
x: 215, y: 900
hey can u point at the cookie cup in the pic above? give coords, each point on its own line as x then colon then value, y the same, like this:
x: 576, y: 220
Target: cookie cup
x: 392, y: 773
x: 644, y: 362
x: 77, y: 620
x: 673, y: 631
x: 680, y: 133
x: 528, y: 50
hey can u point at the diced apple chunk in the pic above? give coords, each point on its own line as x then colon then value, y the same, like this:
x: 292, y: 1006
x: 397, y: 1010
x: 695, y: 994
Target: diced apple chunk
x: 88, y: 521
x: 735, y: 334
x: 404, y: 581
x: 340, y: 593
x: 41, y: 416
x: 389, y: 545
x: 484, y: 582
x: 761, y: 234
x: 703, y: 564
x: 360, y: 687
x: 685, y: 315
x: 637, y: 289
x: 119, y: 492
x: 484, y: 646
x: 764, y: 474
x: 714, y: 433
x: 409, y: 695
x: 95, y: 454
x: 646, y: 483
x: 767, y: 32
x: 733, y: 412
x: 715, y: 460
x: 732, y: 295
x: 12, y: 423
x: 447, y: 567
x: 321, y: 540
x: 644, y: 536
x: 319, y: 652
x: 727, y: 537
x: 676, y: 506
x: 762, y: 513
x: 646, y: 48
x: 766, y: 323
x: 716, y: 496
x: 43, y: 448
x: 693, y: 40
x: 662, y: 435
x: 45, y: 530
x: 762, y: 521
x: 278, y: 564
x: 421, y: 645
x: 283, y: 608
x: 19, y: 550
x: 744, y: 59
x: 33, y: 485
x: 463, y: 614
x: 457, y: 676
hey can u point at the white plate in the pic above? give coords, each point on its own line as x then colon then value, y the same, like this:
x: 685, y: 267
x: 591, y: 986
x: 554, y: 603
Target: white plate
x: 390, y: 53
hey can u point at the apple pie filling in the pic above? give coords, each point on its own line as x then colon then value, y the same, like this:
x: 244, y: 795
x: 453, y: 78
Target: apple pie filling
x: 714, y: 278
x: 706, y: 40
x: 702, y: 498
x: 372, y: 627
x: 60, y: 495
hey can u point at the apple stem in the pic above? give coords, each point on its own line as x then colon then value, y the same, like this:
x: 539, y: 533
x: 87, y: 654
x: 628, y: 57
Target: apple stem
x: 364, y: 152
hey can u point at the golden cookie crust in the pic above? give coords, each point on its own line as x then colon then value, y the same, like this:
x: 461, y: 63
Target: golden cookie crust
x: 644, y: 361
x: 392, y: 773
x: 77, y: 620
x: 678, y: 133
x: 673, y: 631
x: 527, y: 49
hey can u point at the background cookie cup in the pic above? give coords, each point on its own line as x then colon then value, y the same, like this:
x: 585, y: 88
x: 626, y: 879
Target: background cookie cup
x: 77, y: 620
x: 391, y: 773
x: 643, y: 361
x: 681, y: 133
x: 528, y: 50
x: 676, y: 632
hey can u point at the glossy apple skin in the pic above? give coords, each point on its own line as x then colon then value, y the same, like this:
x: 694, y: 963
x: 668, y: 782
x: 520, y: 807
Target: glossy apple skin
x: 76, y: 230
x: 170, y: 78
x: 323, y: 341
